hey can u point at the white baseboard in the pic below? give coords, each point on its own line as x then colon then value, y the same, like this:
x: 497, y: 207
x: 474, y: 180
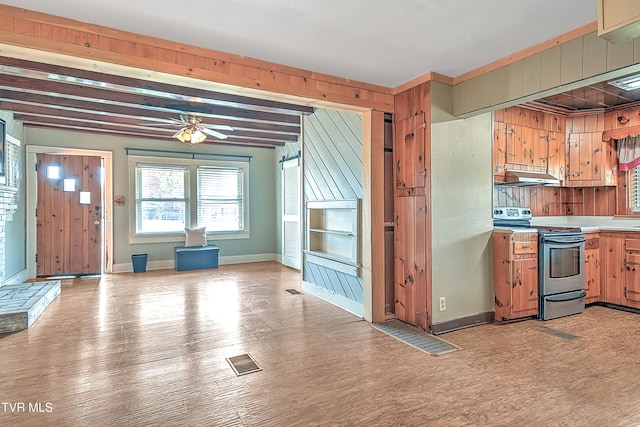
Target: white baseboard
x: 127, y: 267
x: 242, y: 259
x: 351, y: 306
x: 16, y: 279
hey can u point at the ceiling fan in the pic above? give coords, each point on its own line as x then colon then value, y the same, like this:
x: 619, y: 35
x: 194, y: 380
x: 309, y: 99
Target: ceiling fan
x: 194, y: 132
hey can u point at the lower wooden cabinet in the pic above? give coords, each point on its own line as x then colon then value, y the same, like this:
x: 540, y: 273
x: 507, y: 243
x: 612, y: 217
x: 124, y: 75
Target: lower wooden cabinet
x: 592, y: 267
x: 632, y: 270
x: 515, y: 274
x: 621, y: 268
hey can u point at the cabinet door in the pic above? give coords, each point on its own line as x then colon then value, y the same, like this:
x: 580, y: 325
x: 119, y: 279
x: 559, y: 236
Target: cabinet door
x: 591, y: 162
x: 524, y: 288
x: 499, y: 150
x: 578, y: 162
x: 411, y: 260
x: 632, y: 278
x: 556, y: 163
x: 613, y: 275
x: 592, y: 273
x: 409, y: 152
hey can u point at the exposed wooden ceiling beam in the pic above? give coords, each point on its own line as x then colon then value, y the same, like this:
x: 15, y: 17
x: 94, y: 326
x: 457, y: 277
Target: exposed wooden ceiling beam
x: 43, y: 71
x: 144, y: 102
x: 24, y: 106
x: 57, y: 97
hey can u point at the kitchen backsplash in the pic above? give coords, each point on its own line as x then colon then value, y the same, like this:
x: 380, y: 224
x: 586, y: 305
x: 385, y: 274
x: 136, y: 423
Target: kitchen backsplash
x: 558, y: 201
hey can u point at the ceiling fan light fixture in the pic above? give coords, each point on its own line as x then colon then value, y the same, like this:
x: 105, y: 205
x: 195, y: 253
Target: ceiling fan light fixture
x: 197, y: 136
x: 190, y: 134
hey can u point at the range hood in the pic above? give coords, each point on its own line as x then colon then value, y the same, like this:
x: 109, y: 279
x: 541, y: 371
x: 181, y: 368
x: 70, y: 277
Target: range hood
x: 522, y: 178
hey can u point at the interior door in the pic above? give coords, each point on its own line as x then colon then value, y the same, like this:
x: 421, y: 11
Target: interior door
x: 68, y: 215
x: 291, y: 213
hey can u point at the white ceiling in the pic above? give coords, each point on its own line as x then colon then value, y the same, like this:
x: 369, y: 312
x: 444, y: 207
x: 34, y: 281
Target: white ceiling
x: 382, y: 42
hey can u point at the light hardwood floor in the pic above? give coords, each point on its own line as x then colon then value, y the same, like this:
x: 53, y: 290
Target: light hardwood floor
x: 149, y: 350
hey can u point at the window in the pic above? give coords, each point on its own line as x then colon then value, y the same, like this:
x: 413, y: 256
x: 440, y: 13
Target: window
x: 171, y: 194
x: 12, y: 170
x: 220, y: 199
x: 161, y: 198
x: 635, y: 189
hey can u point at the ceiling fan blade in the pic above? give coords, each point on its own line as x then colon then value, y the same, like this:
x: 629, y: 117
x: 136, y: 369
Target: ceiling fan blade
x: 219, y: 127
x: 213, y: 133
x: 161, y: 124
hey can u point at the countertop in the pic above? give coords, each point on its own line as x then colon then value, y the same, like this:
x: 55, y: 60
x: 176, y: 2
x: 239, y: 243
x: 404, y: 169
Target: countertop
x: 515, y: 229
x: 589, y: 224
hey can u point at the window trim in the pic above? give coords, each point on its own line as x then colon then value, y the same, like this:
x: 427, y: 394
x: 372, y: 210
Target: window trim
x: 192, y: 165
x: 634, y: 190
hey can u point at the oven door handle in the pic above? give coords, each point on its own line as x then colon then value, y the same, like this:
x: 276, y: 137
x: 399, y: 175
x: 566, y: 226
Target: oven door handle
x: 564, y: 240
x: 558, y: 298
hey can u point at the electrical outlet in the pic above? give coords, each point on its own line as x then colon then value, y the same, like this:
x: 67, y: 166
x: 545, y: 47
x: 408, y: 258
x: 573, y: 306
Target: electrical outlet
x: 443, y: 304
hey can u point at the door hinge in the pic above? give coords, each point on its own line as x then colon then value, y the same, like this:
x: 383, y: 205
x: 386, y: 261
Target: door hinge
x: 36, y: 258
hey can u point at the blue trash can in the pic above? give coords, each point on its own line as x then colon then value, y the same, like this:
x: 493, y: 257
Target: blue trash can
x: 139, y: 262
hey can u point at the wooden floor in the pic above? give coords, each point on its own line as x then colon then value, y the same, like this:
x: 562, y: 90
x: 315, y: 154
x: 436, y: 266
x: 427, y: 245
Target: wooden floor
x: 149, y: 350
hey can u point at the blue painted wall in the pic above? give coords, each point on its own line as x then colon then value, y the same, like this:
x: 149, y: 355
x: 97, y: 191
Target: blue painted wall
x: 332, y: 165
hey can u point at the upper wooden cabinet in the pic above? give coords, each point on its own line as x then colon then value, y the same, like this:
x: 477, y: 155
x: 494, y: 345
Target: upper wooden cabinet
x: 618, y: 19
x: 590, y: 161
x: 528, y: 140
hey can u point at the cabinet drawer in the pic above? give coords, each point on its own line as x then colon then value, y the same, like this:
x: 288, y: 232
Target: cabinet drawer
x: 593, y: 243
x: 632, y: 262
x: 520, y: 248
x: 632, y: 244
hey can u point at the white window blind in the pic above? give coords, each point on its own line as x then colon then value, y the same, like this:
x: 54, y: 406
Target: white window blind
x: 221, y: 199
x: 635, y: 189
x: 161, y: 198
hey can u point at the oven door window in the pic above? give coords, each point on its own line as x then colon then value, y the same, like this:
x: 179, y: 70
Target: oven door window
x: 564, y: 262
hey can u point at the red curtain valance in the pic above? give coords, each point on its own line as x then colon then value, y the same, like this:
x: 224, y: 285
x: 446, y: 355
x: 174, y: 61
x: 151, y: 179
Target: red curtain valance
x: 628, y: 149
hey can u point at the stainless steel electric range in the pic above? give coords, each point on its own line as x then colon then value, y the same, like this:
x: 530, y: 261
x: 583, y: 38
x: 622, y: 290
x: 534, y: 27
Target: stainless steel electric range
x: 560, y: 272
x: 560, y: 263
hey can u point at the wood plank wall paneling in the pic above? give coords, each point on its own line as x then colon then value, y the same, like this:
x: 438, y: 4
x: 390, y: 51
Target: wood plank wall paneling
x: 332, y: 170
x: 559, y: 201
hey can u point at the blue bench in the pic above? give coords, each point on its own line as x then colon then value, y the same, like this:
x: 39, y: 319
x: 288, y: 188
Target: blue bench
x: 196, y: 257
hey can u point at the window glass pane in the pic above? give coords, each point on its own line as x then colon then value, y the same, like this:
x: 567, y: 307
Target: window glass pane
x: 158, y: 217
x: 69, y: 184
x: 53, y: 172
x: 161, y: 198
x: 162, y: 183
x: 85, y: 198
x: 220, y: 199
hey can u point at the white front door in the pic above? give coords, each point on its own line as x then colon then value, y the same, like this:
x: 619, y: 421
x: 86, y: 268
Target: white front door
x: 291, y: 213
